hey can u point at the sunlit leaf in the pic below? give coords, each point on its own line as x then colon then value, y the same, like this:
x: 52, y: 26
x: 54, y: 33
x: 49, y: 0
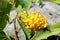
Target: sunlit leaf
x: 19, y: 9
x: 55, y: 1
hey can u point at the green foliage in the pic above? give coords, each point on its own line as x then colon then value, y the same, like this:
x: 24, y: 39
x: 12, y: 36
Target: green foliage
x: 36, y: 0
x: 5, y: 7
x: 26, y: 31
x: 4, y: 10
x: 39, y: 1
x: 55, y: 29
x: 19, y: 9
x: 25, y: 4
x: 3, y: 36
x: 55, y: 1
x: 21, y: 5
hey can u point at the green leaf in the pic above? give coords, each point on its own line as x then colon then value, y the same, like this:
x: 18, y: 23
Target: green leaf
x: 19, y: 9
x: 4, y: 9
x: 55, y: 1
x: 39, y: 1
x: 26, y: 31
x: 36, y: 0
x: 3, y: 36
x: 25, y: 4
x: 55, y: 29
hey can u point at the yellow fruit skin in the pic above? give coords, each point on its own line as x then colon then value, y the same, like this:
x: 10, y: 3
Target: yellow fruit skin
x: 34, y: 21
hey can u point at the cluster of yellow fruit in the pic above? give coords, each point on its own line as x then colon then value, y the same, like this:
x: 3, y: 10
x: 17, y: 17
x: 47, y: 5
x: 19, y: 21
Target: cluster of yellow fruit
x: 33, y: 21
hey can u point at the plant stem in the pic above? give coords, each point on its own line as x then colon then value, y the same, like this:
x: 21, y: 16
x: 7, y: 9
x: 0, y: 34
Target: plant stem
x: 15, y: 35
